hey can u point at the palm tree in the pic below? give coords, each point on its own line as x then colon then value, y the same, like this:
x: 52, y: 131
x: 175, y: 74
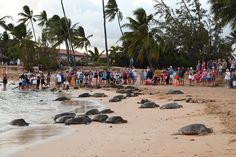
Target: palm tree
x: 3, y: 22
x: 82, y: 41
x: 57, y: 33
x: 105, y: 32
x: 225, y: 11
x: 95, y: 55
x: 21, y: 46
x: 42, y: 18
x: 68, y: 31
x: 115, y: 53
x: 27, y: 15
x: 112, y: 11
x: 140, y: 41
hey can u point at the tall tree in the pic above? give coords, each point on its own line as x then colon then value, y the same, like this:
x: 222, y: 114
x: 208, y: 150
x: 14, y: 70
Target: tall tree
x: 112, y: 11
x: 95, y: 55
x: 3, y: 22
x: 27, y: 15
x: 141, y: 40
x: 105, y: 33
x: 57, y: 34
x: 21, y: 46
x: 68, y: 31
x: 42, y: 18
x: 225, y: 11
x: 82, y: 41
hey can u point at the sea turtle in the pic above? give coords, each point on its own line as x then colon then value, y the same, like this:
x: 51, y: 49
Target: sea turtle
x: 124, y: 91
x: 63, y: 114
x: 84, y: 95
x: 149, y: 105
x: 116, y: 120
x: 64, y: 118
x: 106, y: 111
x: 92, y: 111
x: 115, y: 100
x: 132, y: 88
x: 100, y: 118
x: 171, y: 91
x: 62, y: 99
x: 171, y: 106
x: 19, y: 122
x: 99, y: 95
x: 119, y: 96
x: 81, y: 119
x: 143, y: 101
x: 194, y: 129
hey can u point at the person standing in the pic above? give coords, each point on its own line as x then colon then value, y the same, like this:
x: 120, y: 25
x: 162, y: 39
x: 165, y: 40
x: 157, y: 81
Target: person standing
x: 4, y: 82
x: 49, y: 79
x: 227, y: 78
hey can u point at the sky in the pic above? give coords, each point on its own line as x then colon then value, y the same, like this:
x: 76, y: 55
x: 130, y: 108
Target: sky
x: 88, y: 13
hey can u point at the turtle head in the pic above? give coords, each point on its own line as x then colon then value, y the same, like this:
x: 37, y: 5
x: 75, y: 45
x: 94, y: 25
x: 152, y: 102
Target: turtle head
x: 209, y: 130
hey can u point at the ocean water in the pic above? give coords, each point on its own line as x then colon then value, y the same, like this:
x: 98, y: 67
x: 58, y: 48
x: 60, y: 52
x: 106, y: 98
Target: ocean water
x: 38, y: 109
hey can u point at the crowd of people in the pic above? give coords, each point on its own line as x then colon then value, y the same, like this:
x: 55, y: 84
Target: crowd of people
x: 31, y: 80
x: 204, y: 74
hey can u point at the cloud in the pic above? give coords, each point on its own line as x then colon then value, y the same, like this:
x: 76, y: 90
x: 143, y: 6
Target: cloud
x: 88, y: 13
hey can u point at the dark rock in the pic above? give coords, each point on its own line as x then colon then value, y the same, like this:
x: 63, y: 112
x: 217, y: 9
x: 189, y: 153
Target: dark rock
x: 84, y: 95
x: 92, y: 112
x: 62, y: 99
x: 63, y: 114
x: 171, y: 106
x: 119, y: 96
x: 106, y: 111
x: 115, y: 100
x: 83, y: 119
x: 99, y: 95
x: 64, y: 118
x: 143, y: 101
x: 100, y: 118
x: 149, y: 105
x: 116, y: 120
x: 175, y: 92
x: 19, y: 122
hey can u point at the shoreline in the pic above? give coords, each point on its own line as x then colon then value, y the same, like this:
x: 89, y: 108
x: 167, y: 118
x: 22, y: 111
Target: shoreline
x: 148, y: 131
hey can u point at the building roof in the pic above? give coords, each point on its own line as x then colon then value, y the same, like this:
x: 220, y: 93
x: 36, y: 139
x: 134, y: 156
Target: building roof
x: 77, y: 53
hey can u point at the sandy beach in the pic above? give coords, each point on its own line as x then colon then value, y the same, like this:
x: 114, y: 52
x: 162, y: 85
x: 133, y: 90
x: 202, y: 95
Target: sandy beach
x: 148, y: 132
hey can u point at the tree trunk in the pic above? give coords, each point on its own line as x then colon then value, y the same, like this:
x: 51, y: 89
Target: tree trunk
x: 68, y: 31
x: 33, y: 30
x: 105, y: 33
x: 150, y: 61
x: 120, y: 25
x: 68, y: 51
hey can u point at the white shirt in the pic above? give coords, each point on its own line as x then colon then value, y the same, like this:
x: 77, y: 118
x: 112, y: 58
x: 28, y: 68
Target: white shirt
x: 227, y: 75
x: 58, y: 78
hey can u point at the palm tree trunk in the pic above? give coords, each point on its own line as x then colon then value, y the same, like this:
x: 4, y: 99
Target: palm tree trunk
x: 70, y: 39
x: 105, y: 33
x: 120, y: 25
x: 150, y: 61
x: 33, y: 30
x: 68, y: 51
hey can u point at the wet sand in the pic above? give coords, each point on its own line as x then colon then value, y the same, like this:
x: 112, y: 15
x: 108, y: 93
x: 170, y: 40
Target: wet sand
x: 148, y: 131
